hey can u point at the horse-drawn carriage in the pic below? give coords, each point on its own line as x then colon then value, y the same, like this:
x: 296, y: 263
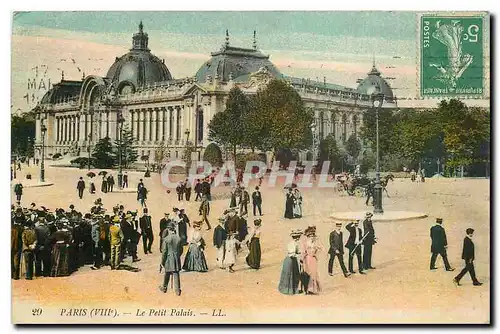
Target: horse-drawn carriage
x: 357, y: 185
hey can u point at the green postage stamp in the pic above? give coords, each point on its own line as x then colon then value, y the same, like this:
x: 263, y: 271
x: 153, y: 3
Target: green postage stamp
x: 454, y: 55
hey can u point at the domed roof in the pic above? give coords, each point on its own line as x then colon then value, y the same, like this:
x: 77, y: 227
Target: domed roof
x: 375, y: 84
x: 139, y: 67
x: 235, y: 63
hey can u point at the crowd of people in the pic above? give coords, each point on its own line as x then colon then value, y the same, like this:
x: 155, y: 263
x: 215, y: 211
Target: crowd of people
x: 57, y: 243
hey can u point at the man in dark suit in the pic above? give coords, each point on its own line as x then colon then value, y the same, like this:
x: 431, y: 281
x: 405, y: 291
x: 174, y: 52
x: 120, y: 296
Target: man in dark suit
x: 163, y: 227
x: 197, y: 190
x: 245, y: 198
x: 337, y: 250
x: 468, y: 257
x: 369, y: 234
x: 146, y: 231
x: 353, y: 244
x: 257, y: 201
x: 205, y: 189
x: 171, y: 259
x: 439, y: 245
x: 81, y: 187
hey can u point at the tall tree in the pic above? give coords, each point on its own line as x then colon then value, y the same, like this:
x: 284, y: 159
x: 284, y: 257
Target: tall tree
x: 329, y: 151
x: 103, y: 154
x: 22, y: 134
x: 387, y: 123
x: 127, y: 145
x: 285, y: 121
x: 353, y: 147
x: 227, y: 127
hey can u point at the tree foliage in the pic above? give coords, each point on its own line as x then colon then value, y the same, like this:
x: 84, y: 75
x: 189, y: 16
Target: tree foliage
x: 127, y: 146
x: 213, y: 155
x: 353, y: 147
x: 227, y: 128
x: 329, y: 151
x: 286, y: 122
x: 22, y: 135
x: 453, y: 134
x: 103, y: 154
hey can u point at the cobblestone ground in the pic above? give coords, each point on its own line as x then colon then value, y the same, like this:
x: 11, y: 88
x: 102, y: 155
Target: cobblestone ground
x: 402, y: 288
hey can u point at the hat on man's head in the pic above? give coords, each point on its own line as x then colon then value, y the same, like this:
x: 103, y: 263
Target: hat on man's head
x: 145, y: 210
x: 257, y: 222
x: 338, y: 224
x: 368, y: 215
x: 439, y: 220
x: 71, y: 206
x: 296, y: 232
x: 175, y: 209
x: 469, y: 231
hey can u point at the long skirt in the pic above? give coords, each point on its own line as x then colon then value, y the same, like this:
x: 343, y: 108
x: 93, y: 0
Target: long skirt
x: 289, y: 209
x: 310, y: 274
x: 297, y: 210
x: 253, y: 258
x: 60, y: 261
x: 233, y: 204
x: 195, y: 259
x: 290, y: 276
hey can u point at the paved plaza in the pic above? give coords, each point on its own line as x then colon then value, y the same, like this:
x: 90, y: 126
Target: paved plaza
x: 401, y: 289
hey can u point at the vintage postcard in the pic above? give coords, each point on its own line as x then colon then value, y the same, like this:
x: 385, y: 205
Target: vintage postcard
x: 250, y: 168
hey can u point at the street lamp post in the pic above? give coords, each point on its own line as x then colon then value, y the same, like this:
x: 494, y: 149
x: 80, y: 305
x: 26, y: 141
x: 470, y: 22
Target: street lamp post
x: 43, y: 129
x: 88, y: 149
x: 120, y: 172
x: 377, y: 101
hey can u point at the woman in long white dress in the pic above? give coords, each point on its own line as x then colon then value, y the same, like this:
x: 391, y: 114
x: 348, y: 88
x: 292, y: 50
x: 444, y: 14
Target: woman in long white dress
x: 297, y: 207
x: 230, y: 258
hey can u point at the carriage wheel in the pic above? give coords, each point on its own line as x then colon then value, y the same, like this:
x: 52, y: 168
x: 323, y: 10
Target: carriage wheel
x: 359, y: 192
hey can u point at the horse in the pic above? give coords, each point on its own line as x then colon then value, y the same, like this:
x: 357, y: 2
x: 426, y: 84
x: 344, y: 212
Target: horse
x: 385, y: 181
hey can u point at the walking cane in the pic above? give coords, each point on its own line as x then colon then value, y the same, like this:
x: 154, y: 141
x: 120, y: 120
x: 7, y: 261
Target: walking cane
x: 357, y: 245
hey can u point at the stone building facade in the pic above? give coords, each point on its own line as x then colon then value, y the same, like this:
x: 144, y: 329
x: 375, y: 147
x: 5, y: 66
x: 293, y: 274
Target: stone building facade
x: 140, y: 90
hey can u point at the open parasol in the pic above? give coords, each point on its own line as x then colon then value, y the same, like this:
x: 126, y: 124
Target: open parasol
x: 103, y: 173
x: 91, y: 174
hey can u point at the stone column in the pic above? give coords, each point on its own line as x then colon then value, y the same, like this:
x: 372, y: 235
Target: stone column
x: 161, y: 124
x: 152, y: 125
x: 156, y: 117
x: 170, y: 125
x: 77, y: 125
x: 140, y: 130
x: 66, y: 123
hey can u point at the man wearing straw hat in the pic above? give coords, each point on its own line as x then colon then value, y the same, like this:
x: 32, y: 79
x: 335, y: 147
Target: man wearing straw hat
x: 337, y: 250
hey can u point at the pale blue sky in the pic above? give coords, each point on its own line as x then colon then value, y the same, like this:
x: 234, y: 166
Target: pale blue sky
x: 337, y: 45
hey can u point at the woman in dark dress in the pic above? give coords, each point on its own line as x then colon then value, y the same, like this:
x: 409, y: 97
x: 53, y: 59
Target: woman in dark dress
x: 60, y: 241
x: 290, y: 200
x: 233, y: 204
x: 253, y: 258
x: 290, y: 272
x: 104, y: 185
x: 195, y: 258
